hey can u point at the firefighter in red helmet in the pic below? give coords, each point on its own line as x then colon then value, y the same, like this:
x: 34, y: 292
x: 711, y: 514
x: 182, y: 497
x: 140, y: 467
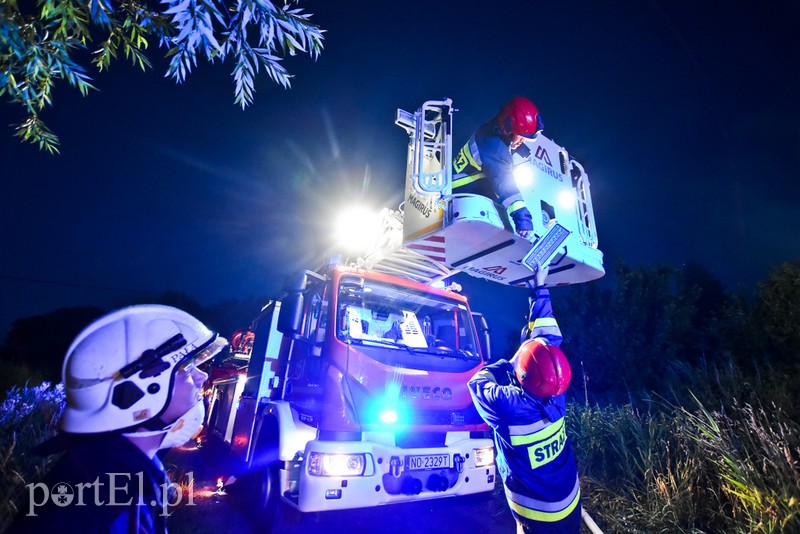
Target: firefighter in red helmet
x: 541, y: 369
x: 523, y: 401
x: 484, y: 164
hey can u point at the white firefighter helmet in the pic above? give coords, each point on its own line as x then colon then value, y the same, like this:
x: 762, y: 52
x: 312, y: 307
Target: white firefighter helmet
x: 120, y: 370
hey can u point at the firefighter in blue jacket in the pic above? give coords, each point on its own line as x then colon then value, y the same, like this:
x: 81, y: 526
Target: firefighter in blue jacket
x: 524, y: 403
x: 484, y: 164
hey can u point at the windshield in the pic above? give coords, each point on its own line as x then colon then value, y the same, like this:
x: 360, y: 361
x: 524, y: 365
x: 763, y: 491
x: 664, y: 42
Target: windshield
x: 415, y: 323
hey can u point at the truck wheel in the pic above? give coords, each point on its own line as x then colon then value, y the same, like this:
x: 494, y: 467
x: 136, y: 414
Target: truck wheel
x: 265, y: 478
x: 267, y: 482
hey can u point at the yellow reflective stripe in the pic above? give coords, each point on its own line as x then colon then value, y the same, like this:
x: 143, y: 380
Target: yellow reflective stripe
x: 511, y: 200
x: 543, y: 322
x: 465, y: 158
x: 545, y: 433
x: 548, y: 449
x: 549, y: 517
x: 468, y: 151
x: 514, y: 206
x: 461, y: 182
x: 543, y: 326
x: 545, y: 506
x: 460, y: 162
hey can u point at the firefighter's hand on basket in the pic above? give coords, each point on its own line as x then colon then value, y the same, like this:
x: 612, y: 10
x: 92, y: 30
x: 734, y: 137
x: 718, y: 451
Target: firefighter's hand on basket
x: 522, y: 222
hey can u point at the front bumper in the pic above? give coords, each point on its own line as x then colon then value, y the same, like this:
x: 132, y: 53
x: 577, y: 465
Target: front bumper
x: 387, y: 479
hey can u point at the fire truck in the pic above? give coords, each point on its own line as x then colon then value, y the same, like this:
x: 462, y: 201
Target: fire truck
x: 354, y: 395
x: 352, y: 391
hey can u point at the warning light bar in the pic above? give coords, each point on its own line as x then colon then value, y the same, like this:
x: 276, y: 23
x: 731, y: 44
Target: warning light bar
x: 547, y: 246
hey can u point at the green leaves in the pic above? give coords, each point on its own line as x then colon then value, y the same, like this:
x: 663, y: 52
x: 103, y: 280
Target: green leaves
x: 34, y: 130
x: 34, y: 53
x: 36, y: 50
x: 278, y: 32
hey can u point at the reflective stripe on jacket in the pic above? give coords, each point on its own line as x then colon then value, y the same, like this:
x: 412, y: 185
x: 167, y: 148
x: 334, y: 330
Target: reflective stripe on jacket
x: 541, y: 322
x: 536, y: 510
x: 484, y: 166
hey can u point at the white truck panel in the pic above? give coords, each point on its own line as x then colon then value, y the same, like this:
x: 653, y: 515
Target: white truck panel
x: 294, y: 434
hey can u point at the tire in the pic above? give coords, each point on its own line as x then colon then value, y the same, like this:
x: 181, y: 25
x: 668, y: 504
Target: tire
x: 266, y: 483
x: 264, y: 478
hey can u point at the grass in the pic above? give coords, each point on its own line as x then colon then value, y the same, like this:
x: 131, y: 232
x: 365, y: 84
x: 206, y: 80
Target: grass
x: 675, y: 469
x: 754, y: 454
x: 668, y: 468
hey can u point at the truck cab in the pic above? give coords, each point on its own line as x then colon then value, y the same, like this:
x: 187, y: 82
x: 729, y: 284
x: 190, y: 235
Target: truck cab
x: 354, y: 394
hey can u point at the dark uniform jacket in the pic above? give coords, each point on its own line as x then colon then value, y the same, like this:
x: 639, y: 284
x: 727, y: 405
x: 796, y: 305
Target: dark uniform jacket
x: 484, y: 166
x: 102, y: 483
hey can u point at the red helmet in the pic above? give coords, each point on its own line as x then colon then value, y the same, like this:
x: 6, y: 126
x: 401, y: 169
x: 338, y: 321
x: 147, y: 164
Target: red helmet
x: 543, y: 370
x: 520, y: 117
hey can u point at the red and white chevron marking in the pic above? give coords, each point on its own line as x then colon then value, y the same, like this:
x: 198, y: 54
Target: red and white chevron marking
x: 431, y: 246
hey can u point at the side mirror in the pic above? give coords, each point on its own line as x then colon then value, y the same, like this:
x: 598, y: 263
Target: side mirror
x: 290, y: 318
x: 296, y: 283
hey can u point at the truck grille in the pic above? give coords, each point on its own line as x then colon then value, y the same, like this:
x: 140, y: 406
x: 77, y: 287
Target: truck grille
x: 446, y: 417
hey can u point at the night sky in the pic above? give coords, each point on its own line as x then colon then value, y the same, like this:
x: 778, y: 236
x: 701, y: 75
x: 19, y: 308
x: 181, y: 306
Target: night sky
x: 684, y: 117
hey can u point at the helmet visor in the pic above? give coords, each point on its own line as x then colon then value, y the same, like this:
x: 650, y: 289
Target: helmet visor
x: 203, y: 355
x: 152, y: 362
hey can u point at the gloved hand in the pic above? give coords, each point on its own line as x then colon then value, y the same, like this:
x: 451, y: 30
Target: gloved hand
x: 522, y: 222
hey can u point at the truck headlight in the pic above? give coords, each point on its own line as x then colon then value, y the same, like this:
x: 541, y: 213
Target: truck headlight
x: 484, y: 456
x: 336, y: 464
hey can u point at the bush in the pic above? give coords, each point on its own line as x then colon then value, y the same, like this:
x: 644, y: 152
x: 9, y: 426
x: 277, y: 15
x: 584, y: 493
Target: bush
x: 28, y: 416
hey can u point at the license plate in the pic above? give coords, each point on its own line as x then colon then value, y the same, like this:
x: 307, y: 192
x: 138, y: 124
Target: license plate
x: 428, y: 461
